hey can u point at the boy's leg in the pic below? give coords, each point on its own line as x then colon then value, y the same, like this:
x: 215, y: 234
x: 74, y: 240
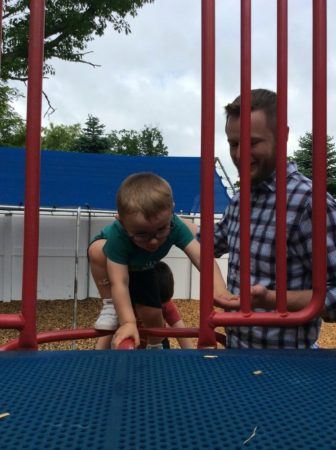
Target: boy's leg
x: 169, y: 310
x: 150, y: 317
x: 145, y: 295
x: 97, y: 260
x: 107, y: 319
x: 173, y: 318
x: 104, y: 343
x: 154, y: 317
x: 170, y: 313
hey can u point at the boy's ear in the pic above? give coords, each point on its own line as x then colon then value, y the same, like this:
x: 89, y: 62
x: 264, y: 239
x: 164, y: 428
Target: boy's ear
x: 117, y: 217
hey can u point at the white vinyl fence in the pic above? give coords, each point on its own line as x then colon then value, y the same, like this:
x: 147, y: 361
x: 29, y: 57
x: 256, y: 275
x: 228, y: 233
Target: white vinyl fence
x: 63, y: 235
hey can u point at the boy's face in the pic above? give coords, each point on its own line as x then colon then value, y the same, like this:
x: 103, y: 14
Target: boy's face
x: 148, y: 234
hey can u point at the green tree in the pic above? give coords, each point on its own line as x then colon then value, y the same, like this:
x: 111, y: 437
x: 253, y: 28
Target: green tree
x: 60, y: 137
x: 147, y: 142
x: 151, y: 142
x: 69, y: 27
x: 303, y: 157
x: 124, y: 142
x: 92, y: 138
x: 12, y: 126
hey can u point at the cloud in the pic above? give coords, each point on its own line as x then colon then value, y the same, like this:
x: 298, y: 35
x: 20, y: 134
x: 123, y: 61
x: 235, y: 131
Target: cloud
x: 153, y: 76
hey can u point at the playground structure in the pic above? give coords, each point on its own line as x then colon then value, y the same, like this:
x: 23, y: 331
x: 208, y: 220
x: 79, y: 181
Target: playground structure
x: 126, y: 400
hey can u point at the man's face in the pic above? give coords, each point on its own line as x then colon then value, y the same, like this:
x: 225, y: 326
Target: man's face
x: 262, y: 145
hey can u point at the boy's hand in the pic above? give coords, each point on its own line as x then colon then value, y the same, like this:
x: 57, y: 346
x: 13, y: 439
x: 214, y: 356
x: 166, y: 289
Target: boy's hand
x: 127, y: 330
x: 227, y: 301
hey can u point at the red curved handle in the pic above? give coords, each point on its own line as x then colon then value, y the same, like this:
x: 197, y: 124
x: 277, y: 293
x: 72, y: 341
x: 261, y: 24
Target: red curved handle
x: 127, y: 344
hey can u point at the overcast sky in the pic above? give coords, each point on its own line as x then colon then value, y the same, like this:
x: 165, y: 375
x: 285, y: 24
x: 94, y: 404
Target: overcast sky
x: 152, y: 76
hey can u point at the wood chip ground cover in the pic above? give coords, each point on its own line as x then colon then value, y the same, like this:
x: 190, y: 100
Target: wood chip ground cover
x: 58, y: 314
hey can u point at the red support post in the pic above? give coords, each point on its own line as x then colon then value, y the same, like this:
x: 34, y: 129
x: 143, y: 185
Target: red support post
x: 206, y: 335
x: 280, y: 317
x: 319, y: 268
x: 245, y: 156
x: 28, y: 338
x: 281, y: 156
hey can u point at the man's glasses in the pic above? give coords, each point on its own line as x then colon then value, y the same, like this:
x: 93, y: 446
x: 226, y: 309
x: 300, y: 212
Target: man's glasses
x: 146, y: 237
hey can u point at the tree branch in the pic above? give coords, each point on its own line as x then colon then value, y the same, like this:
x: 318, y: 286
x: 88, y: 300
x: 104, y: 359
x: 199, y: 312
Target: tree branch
x: 85, y: 62
x: 19, y: 79
x: 50, y: 107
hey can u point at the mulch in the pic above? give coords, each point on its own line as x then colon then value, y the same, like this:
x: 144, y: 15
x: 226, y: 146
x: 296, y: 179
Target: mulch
x: 58, y: 314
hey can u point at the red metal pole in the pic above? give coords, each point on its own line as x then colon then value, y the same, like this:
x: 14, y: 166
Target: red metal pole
x: 207, y: 336
x: 319, y: 193
x: 11, y: 321
x: 319, y: 150
x: 281, y: 156
x: 267, y: 319
x: 32, y: 177
x: 245, y: 155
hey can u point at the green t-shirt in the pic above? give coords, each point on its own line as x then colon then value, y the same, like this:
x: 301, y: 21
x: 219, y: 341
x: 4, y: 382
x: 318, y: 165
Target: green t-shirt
x: 120, y: 248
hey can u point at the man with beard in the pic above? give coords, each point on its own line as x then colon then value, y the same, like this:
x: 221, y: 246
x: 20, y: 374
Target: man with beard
x: 263, y: 231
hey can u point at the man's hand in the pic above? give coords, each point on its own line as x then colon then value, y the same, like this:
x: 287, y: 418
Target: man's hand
x: 261, y: 297
x: 264, y: 298
x: 127, y: 330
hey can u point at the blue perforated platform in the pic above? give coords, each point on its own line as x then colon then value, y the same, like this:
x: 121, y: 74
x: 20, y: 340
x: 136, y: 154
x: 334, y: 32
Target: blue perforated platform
x: 171, y: 400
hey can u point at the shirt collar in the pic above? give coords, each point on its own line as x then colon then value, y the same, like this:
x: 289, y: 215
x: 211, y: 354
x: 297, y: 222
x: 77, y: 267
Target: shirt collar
x: 270, y: 183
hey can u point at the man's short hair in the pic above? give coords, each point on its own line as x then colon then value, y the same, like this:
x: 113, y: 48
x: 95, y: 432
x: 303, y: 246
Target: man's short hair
x: 261, y: 100
x: 144, y: 193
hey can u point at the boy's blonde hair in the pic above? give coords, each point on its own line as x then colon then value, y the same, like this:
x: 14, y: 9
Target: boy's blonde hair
x: 146, y: 193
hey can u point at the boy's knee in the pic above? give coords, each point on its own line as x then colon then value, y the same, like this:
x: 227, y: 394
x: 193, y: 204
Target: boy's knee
x: 149, y: 316
x: 170, y: 313
x: 103, y: 282
x: 96, y: 254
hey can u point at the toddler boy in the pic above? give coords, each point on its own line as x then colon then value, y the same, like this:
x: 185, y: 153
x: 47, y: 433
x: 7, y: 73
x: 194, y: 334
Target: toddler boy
x: 123, y: 257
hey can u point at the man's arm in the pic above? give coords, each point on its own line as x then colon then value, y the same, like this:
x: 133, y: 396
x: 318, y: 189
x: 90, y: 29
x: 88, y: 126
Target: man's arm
x: 220, y: 239
x: 305, y: 248
x: 118, y: 277
x: 264, y: 298
x: 193, y: 251
x: 191, y: 225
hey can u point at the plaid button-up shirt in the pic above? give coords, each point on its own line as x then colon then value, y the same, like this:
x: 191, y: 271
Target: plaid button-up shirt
x: 262, y: 263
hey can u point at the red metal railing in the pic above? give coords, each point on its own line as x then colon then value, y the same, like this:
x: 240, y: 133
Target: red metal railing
x: 26, y: 322
x: 32, y: 176
x: 281, y: 316
x: 245, y: 157
x: 8, y: 320
x: 319, y: 153
x: 281, y: 156
x: 206, y: 335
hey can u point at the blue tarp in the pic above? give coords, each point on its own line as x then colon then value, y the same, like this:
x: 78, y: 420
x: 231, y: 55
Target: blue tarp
x: 90, y: 180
